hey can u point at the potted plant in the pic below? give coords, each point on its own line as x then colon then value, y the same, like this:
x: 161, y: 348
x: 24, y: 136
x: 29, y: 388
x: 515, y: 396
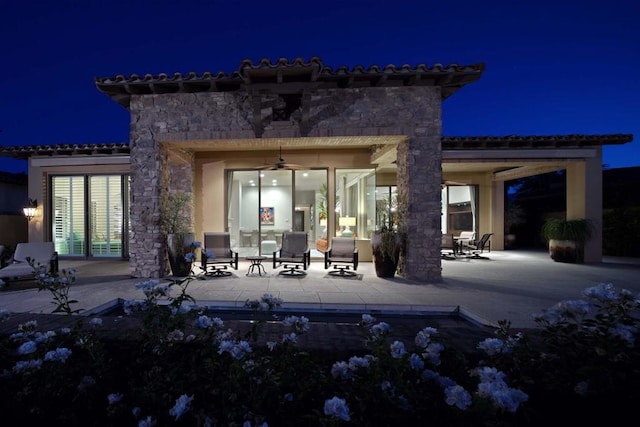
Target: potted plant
x: 386, y: 241
x: 385, y: 246
x: 175, y: 224
x: 322, y: 243
x: 567, y: 238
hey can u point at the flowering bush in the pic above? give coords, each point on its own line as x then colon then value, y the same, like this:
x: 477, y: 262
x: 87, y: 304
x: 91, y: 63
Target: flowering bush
x: 182, y: 366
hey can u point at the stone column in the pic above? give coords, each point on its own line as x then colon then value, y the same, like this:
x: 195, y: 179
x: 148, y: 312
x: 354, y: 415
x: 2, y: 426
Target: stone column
x: 145, y: 245
x: 419, y: 179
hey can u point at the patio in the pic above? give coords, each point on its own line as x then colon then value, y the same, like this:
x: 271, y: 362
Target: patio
x: 510, y: 285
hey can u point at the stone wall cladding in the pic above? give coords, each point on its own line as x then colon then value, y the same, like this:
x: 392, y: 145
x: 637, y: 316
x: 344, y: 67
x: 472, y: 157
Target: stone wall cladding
x: 412, y: 111
x: 415, y: 112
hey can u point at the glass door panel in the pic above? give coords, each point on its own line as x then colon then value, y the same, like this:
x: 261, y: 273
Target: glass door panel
x: 68, y: 222
x: 106, y: 215
x: 310, y: 206
x: 276, y: 208
x: 243, y: 221
x: 355, y: 211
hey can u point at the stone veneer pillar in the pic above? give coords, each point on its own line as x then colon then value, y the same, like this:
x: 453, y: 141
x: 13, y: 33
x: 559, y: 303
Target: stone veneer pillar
x: 419, y: 178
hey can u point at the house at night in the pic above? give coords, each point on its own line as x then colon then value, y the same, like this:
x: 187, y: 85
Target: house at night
x: 322, y: 150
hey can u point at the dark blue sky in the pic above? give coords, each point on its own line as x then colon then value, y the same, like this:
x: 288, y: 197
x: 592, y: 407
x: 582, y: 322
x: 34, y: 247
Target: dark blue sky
x: 552, y: 67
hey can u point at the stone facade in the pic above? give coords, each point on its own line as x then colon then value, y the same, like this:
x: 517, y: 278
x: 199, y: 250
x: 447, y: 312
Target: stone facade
x: 369, y: 111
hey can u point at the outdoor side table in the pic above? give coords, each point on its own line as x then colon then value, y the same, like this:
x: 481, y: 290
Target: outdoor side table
x: 256, y: 262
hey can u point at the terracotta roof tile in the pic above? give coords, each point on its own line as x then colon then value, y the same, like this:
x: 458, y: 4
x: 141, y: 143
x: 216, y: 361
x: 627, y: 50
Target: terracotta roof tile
x: 298, y: 71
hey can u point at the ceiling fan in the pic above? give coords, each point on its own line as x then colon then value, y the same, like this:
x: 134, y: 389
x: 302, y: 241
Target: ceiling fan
x: 447, y: 183
x: 281, y: 165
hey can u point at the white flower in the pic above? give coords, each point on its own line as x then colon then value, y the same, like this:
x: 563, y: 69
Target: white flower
x: 397, y: 349
x: 114, y: 398
x: 27, y: 348
x: 237, y: 350
x: 299, y: 324
x: 204, y: 322
x: 601, y: 292
x: 23, y: 365
x: 458, y: 396
x: 423, y: 338
x: 356, y: 362
x: 147, y: 422
x: 379, y: 330
x: 336, y: 407
x: 493, y: 386
x: 492, y: 346
x: 44, y: 337
x: 96, y: 322
x: 341, y: 369
x: 58, y: 355
x: 181, y: 406
x: 367, y: 320
x: 432, y: 352
x: 416, y: 362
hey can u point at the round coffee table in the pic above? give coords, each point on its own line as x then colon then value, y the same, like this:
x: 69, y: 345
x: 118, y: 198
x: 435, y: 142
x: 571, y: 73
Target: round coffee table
x: 256, y: 262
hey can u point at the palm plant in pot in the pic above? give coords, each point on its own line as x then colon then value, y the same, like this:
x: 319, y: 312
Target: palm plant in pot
x: 386, y: 241
x: 567, y: 238
x: 175, y: 223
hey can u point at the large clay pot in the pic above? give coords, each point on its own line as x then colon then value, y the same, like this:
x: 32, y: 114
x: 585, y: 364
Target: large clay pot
x: 178, y: 245
x: 563, y: 250
x: 385, y: 247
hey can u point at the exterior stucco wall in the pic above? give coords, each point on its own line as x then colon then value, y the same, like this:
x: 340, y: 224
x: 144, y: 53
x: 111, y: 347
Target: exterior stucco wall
x: 584, y: 200
x: 411, y: 111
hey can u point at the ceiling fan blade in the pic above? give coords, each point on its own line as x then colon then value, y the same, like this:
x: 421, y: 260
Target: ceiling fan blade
x: 281, y: 165
x: 447, y: 182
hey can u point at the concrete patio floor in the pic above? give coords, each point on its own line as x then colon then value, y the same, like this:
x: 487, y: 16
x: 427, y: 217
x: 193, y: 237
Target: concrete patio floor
x: 510, y: 285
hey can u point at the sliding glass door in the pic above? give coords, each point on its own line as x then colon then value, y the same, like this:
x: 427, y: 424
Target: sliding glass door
x: 264, y: 204
x: 89, y: 215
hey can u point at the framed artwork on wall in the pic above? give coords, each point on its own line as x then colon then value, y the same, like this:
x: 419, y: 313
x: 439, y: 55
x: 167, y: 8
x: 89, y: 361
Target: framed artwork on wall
x: 266, y: 216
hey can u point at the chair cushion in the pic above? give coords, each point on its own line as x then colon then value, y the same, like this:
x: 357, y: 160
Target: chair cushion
x: 40, y: 252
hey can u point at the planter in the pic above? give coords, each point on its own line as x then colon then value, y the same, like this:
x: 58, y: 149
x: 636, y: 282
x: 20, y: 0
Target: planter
x: 322, y: 245
x: 567, y: 238
x: 563, y: 251
x: 178, y: 245
x: 386, y: 253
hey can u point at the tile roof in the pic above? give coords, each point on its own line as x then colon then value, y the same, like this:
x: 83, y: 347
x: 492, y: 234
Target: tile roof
x: 532, y: 141
x: 26, y: 151
x: 448, y: 143
x: 296, y: 74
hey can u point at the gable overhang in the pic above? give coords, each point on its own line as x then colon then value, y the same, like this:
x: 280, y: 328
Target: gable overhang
x: 284, y: 76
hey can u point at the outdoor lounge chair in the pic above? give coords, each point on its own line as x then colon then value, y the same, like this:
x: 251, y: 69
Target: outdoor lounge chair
x: 448, y: 244
x: 343, y: 254
x: 478, y: 247
x: 217, y: 254
x: 462, y: 241
x: 294, y: 254
x: 42, y: 254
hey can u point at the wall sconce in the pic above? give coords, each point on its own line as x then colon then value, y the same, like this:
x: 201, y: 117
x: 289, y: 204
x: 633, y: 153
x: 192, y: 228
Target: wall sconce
x: 346, y: 222
x: 31, y: 209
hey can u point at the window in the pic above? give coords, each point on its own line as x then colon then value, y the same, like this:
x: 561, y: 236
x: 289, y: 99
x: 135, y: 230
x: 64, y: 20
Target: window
x: 355, y: 210
x: 89, y: 215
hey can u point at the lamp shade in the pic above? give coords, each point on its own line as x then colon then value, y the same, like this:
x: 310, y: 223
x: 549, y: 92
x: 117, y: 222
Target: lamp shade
x: 31, y: 209
x: 347, y: 221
